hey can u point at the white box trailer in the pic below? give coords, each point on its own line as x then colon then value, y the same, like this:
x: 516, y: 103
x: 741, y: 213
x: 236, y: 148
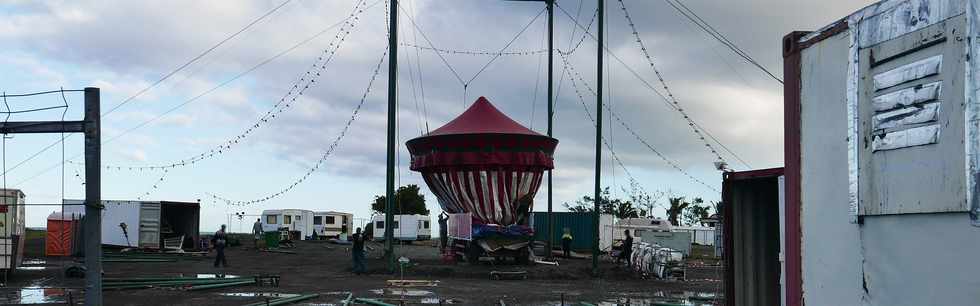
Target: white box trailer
x: 11, y: 229
x: 332, y: 223
x: 146, y: 224
x: 293, y: 220
x: 406, y: 227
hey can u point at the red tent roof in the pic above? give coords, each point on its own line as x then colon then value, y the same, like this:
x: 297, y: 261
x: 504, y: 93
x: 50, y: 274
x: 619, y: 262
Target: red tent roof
x: 482, y: 118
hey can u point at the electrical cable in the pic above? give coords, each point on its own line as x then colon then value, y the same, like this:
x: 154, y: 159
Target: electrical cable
x: 475, y: 52
x: 329, y: 150
x: 358, y: 12
x: 647, y: 84
x: 495, y: 57
x: 697, y: 130
x: 629, y: 129
x: 431, y: 45
x: 418, y: 63
x: 704, y: 25
x: 194, y: 59
x: 670, y: 94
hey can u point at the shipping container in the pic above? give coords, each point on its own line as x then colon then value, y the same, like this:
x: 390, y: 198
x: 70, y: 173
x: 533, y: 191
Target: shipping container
x: 146, y: 224
x: 882, y: 137
x: 12, y: 215
x: 581, y: 226
x: 751, y: 214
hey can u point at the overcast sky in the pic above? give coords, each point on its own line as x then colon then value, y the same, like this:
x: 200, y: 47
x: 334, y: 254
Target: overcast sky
x: 125, y: 46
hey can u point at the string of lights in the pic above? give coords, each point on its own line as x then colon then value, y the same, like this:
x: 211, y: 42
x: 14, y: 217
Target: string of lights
x: 623, y: 123
x: 645, y: 83
x: 299, y: 87
x: 670, y: 94
x: 475, y: 52
x: 323, y: 157
x: 194, y: 59
x: 585, y: 34
x: 156, y: 184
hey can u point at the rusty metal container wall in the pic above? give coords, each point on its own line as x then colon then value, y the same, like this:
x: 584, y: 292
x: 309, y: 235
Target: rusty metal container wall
x: 751, y: 226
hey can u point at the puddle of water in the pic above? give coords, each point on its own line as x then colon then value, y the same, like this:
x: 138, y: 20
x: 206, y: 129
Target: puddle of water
x: 402, y: 292
x: 436, y: 301
x: 33, y: 262
x: 33, y: 268
x: 260, y: 294
x: 33, y: 295
x: 659, y: 298
x: 217, y: 276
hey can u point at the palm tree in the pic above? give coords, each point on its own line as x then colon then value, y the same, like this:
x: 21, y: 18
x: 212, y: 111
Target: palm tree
x: 677, y: 206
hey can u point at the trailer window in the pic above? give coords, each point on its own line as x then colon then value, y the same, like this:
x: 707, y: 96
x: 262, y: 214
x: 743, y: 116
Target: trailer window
x: 379, y: 225
x: 425, y: 224
x: 287, y: 219
x: 331, y: 220
x: 317, y: 220
x: 271, y: 219
x: 396, y: 224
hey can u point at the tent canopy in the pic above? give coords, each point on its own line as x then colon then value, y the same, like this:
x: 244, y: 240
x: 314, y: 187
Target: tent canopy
x: 484, y: 163
x: 479, y: 137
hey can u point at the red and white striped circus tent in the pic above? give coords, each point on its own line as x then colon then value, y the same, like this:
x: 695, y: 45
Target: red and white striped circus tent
x: 485, y: 164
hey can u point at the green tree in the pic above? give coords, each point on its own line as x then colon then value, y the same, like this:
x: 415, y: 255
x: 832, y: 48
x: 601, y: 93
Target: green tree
x: 607, y: 205
x: 696, y: 212
x: 408, y: 201
x: 643, y: 201
x: 677, y: 206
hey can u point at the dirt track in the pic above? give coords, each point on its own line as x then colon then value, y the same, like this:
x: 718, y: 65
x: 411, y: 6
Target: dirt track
x: 319, y: 267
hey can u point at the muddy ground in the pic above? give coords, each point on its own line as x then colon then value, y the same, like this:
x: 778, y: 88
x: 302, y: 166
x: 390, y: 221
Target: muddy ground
x: 323, y: 268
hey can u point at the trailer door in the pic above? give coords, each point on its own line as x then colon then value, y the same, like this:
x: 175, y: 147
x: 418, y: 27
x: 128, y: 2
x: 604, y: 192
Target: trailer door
x: 149, y: 225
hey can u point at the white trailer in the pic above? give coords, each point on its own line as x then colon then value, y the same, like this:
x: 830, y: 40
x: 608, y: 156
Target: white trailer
x: 11, y: 229
x: 332, y: 223
x: 293, y: 220
x: 406, y: 227
x: 146, y: 224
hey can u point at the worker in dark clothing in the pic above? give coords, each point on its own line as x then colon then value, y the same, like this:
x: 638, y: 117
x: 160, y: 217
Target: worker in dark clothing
x: 218, y: 243
x: 257, y: 231
x: 566, y: 243
x: 443, y: 231
x: 627, y: 250
x: 357, y: 251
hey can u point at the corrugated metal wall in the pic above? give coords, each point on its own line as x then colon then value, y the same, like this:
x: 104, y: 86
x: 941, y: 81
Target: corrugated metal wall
x: 755, y: 234
x: 579, y: 223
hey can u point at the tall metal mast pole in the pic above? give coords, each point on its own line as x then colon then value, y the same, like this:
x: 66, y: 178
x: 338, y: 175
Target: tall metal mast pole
x: 598, y: 141
x: 392, y: 96
x: 93, y: 198
x: 551, y: 114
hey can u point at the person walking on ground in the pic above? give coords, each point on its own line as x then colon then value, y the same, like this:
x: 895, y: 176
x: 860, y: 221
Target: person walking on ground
x: 218, y: 242
x: 257, y: 231
x: 443, y: 231
x: 566, y: 243
x: 627, y: 250
x: 357, y: 251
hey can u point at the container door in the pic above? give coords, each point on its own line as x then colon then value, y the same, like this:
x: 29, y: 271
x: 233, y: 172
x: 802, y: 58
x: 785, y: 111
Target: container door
x: 149, y: 232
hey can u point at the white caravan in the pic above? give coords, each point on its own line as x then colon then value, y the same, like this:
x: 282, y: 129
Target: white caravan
x: 406, y: 227
x: 332, y: 223
x: 295, y: 220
